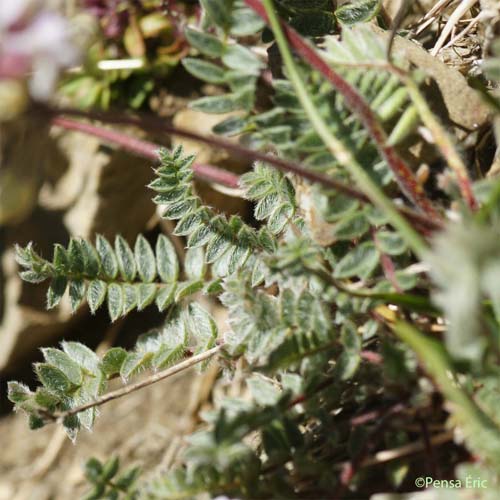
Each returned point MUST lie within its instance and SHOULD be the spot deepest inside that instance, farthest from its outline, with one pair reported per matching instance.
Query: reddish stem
(148, 150)
(156, 124)
(402, 172)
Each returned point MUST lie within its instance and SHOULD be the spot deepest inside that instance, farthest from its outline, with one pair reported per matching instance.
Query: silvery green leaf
(242, 59)
(96, 293)
(56, 291)
(279, 217)
(347, 364)
(53, 378)
(189, 223)
(82, 355)
(134, 363)
(207, 44)
(113, 360)
(459, 255)
(115, 301)
(219, 12)
(352, 226)
(125, 257)
(46, 399)
(245, 22)
(91, 259)
(238, 257)
(188, 288)
(60, 258)
(76, 293)
(63, 362)
(194, 263)
(361, 261)
(201, 325)
(200, 236)
(217, 246)
(17, 393)
(145, 259)
(146, 294)
(129, 298)
(391, 243)
(76, 256)
(166, 260)
(167, 356)
(358, 11)
(234, 125)
(215, 104)
(107, 256)
(263, 391)
(165, 296)
(204, 70)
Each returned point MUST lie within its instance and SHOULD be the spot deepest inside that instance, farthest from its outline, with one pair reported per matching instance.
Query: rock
(81, 188)
(452, 98)
(23, 166)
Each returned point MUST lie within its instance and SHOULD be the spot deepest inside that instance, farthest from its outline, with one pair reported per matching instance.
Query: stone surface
(81, 188)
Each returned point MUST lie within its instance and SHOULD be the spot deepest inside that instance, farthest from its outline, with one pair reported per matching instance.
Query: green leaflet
(358, 11)
(145, 258)
(96, 294)
(219, 12)
(125, 257)
(122, 278)
(205, 43)
(107, 256)
(204, 70)
(361, 261)
(168, 265)
(115, 301)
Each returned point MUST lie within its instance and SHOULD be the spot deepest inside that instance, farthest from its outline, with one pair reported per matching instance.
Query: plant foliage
(344, 338)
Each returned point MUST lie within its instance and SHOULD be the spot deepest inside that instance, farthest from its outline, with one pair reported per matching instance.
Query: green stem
(437, 363)
(341, 153)
(444, 141)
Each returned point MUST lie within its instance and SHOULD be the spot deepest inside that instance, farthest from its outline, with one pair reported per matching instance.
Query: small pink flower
(35, 41)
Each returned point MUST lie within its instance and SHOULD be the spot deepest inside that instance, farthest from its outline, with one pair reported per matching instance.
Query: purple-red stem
(156, 124)
(148, 150)
(402, 172)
